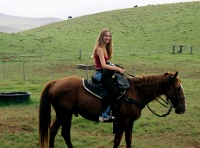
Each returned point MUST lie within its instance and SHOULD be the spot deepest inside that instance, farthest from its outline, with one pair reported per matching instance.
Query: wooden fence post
(4, 74)
(191, 49)
(52, 71)
(181, 48)
(173, 49)
(87, 71)
(24, 77)
(133, 70)
(80, 53)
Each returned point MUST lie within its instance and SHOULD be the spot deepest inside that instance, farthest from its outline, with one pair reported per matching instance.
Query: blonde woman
(103, 51)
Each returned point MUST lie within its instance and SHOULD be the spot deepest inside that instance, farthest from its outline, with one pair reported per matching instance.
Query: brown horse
(68, 97)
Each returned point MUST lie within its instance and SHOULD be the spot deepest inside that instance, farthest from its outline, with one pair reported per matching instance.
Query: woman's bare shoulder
(99, 49)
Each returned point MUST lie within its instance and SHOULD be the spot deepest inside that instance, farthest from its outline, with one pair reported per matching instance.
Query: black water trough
(14, 97)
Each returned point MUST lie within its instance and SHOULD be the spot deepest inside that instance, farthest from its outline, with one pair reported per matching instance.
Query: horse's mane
(149, 86)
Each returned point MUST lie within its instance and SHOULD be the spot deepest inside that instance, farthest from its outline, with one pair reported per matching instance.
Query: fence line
(40, 69)
(21, 71)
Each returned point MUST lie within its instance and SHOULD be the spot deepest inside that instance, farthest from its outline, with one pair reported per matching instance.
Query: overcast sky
(64, 8)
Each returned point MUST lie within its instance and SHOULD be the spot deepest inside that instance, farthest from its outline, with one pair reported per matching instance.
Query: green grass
(143, 39)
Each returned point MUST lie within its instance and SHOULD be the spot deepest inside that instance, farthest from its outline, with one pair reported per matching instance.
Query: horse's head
(175, 93)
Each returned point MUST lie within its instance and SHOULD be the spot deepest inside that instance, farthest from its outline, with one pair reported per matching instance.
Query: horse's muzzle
(180, 110)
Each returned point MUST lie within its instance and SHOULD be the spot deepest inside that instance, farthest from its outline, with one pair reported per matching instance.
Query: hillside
(142, 36)
(142, 29)
(11, 24)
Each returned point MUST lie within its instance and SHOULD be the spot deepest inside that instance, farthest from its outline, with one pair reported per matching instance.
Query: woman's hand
(120, 70)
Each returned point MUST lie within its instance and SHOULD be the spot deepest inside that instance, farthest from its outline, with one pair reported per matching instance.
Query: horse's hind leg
(66, 126)
(53, 131)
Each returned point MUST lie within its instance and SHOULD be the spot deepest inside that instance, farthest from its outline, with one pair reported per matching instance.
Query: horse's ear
(172, 78)
(175, 75)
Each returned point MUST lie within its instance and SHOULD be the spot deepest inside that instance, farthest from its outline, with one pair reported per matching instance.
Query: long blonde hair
(108, 48)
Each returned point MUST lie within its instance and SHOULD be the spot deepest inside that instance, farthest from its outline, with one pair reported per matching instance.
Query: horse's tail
(45, 116)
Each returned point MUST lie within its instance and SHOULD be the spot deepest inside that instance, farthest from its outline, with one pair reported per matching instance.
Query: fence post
(173, 49)
(4, 75)
(24, 73)
(181, 48)
(52, 71)
(191, 49)
(80, 53)
(133, 70)
(87, 71)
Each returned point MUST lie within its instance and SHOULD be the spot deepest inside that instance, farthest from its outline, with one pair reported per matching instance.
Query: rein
(134, 102)
(128, 74)
(167, 102)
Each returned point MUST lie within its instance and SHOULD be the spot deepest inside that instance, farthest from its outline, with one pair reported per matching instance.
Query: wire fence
(42, 70)
(37, 72)
(22, 71)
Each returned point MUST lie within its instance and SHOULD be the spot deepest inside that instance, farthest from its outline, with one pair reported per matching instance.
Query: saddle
(97, 90)
(94, 88)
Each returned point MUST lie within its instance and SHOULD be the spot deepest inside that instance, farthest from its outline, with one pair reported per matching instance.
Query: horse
(69, 97)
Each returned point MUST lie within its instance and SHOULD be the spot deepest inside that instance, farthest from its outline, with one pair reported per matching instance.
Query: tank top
(98, 63)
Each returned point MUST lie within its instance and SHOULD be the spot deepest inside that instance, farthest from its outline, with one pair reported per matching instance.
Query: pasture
(143, 39)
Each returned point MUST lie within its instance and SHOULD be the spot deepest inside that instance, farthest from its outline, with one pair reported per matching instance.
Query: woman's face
(107, 37)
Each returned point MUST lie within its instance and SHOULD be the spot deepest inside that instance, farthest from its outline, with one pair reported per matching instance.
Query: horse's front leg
(120, 127)
(117, 140)
(128, 133)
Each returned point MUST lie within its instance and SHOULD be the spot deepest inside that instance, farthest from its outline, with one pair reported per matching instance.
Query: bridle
(179, 100)
(168, 103)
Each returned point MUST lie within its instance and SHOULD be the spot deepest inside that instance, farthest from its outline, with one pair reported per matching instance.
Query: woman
(103, 51)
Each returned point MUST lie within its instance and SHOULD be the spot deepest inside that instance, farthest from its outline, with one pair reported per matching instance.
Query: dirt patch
(8, 58)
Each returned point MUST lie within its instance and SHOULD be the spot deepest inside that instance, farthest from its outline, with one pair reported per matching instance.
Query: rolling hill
(12, 24)
(135, 30)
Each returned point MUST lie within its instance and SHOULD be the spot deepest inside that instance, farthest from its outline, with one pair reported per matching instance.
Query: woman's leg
(109, 85)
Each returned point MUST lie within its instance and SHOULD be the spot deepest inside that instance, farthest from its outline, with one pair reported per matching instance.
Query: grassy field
(143, 39)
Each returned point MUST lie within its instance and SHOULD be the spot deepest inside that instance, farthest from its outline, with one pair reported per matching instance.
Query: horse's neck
(149, 87)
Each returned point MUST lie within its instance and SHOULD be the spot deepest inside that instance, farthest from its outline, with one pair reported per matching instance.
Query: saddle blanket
(93, 88)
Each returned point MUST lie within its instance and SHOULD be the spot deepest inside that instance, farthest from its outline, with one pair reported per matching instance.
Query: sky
(75, 8)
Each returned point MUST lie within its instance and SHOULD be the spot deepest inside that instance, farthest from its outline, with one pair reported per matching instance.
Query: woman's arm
(100, 53)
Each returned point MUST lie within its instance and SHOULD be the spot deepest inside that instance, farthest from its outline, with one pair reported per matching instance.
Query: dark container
(14, 97)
